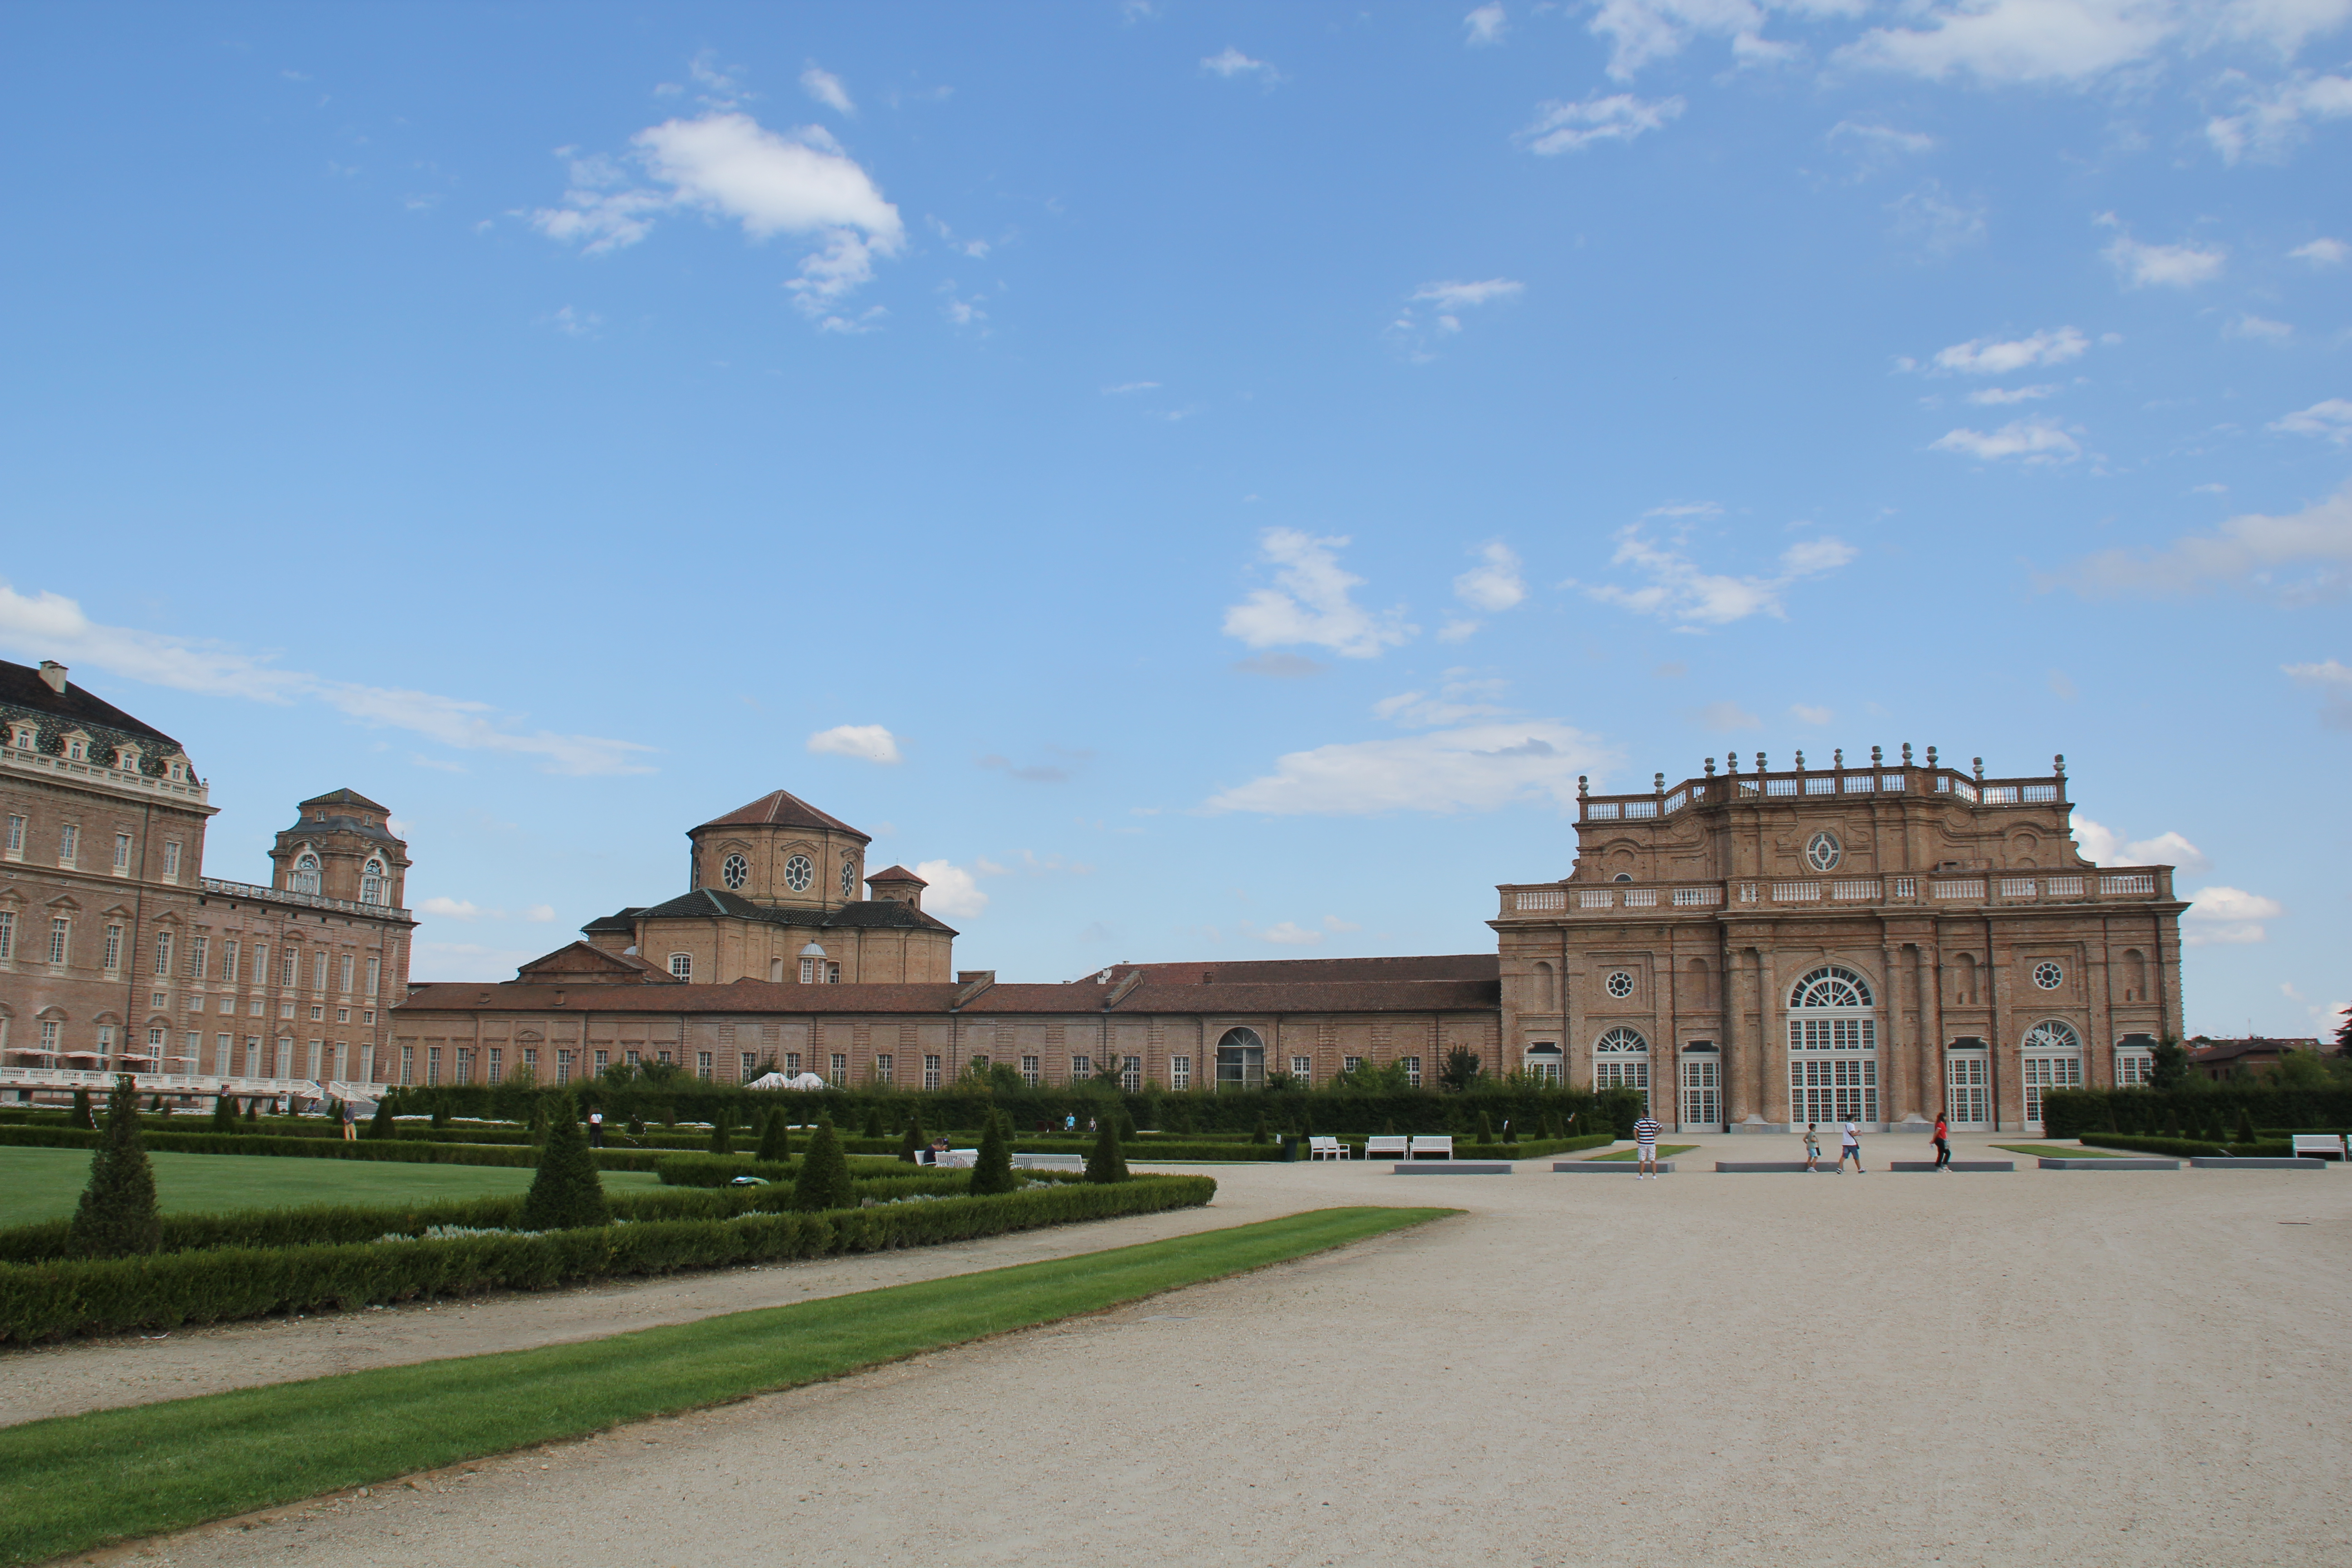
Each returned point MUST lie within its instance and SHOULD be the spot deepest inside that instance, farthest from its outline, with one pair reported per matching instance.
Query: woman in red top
(1943, 1144)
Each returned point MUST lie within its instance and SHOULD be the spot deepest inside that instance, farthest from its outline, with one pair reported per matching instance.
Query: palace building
(1751, 951)
(119, 954)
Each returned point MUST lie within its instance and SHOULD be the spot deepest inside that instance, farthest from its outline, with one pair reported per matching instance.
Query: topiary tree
(824, 1182)
(874, 1127)
(775, 1135)
(253, 1110)
(539, 1120)
(2245, 1125)
(224, 1114)
(1126, 1122)
(155, 1104)
(911, 1141)
(2167, 1066)
(2172, 1122)
(1485, 1127)
(567, 1194)
(722, 1131)
(79, 1115)
(440, 1113)
(1510, 1132)
(669, 1111)
(992, 1168)
(1106, 1164)
(1258, 1133)
(380, 1124)
(637, 1125)
(116, 1216)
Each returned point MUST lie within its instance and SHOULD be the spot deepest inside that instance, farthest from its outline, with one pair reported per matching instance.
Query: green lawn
(46, 1184)
(1665, 1152)
(2057, 1150)
(69, 1483)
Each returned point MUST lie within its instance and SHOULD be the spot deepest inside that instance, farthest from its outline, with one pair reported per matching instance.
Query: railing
(1539, 899)
(2128, 882)
(1973, 888)
(1833, 781)
(307, 901)
(180, 1083)
(121, 778)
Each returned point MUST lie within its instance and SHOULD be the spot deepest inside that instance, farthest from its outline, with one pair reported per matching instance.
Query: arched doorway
(1621, 1060)
(2053, 1058)
(1833, 1047)
(1241, 1060)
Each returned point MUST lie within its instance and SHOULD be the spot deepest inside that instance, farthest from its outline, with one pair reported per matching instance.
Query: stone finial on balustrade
(2058, 765)
(1906, 753)
(1579, 786)
(1760, 761)
(1877, 757)
(1800, 762)
(1931, 756)
(1731, 761)
(1710, 766)
(1980, 765)
(1658, 784)
(1837, 758)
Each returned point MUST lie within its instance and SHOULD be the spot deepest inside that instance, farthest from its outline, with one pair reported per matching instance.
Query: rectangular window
(681, 965)
(16, 836)
(1081, 1068)
(289, 970)
(260, 965)
(317, 1063)
(1351, 1064)
(1131, 1074)
(564, 1067)
(931, 1072)
(808, 970)
(61, 938)
(530, 1063)
(228, 961)
(465, 1065)
(1303, 1068)
(7, 933)
(343, 1014)
(748, 1069)
(840, 1068)
(106, 1039)
(375, 969)
(68, 844)
(198, 955)
(1029, 1071)
(122, 852)
(318, 1012)
(155, 1046)
(884, 1066)
(1180, 1072)
(163, 952)
(195, 1046)
(1834, 1088)
(408, 1064)
(2049, 1072)
(344, 973)
(171, 860)
(702, 1065)
(113, 949)
(498, 1062)
(792, 1063)
(1412, 1071)
(2133, 1068)
(225, 1055)
(833, 974)
(48, 1036)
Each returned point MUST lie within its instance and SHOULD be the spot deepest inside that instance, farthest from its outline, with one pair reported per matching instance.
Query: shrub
(1125, 1123)
(80, 1116)
(2172, 1122)
(1485, 1127)
(911, 1141)
(2245, 1126)
(1258, 1133)
(567, 1194)
(253, 1110)
(1105, 1165)
(224, 1114)
(116, 1216)
(775, 1134)
(874, 1128)
(824, 1182)
(722, 1131)
(380, 1125)
(637, 1125)
(440, 1115)
(992, 1168)
(539, 1121)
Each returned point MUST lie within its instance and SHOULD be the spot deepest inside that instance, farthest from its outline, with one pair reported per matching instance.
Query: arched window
(1831, 985)
(304, 878)
(2053, 1054)
(1621, 1060)
(1833, 1047)
(372, 883)
(1241, 1060)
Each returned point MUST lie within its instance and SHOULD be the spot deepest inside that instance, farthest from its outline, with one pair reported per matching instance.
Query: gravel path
(2097, 1368)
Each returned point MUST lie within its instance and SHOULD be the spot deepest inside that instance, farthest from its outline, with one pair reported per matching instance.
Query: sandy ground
(2098, 1368)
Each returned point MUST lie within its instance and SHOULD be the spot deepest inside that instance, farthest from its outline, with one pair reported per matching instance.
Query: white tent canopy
(778, 1080)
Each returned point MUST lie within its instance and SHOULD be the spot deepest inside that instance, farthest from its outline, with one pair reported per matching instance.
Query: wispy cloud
(2105, 846)
(2144, 265)
(953, 892)
(1477, 767)
(1806, 713)
(1485, 25)
(1678, 591)
(1233, 66)
(2271, 119)
(867, 742)
(2006, 356)
(2031, 441)
(2303, 557)
(1435, 310)
(1724, 717)
(1459, 698)
(1572, 127)
(826, 88)
(1126, 387)
(2227, 916)
(2000, 396)
(2331, 419)
(2323, 252)
(50, 626)
(1495, 585)
(2015, 41)
(1314, 603)
(2334, 680)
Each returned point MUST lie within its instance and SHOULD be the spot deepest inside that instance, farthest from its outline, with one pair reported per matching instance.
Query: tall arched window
(1241, 1060)
(372, 883)
(1621, 1060)
(1833, 1047)
(304, 878)
(2053, 1058)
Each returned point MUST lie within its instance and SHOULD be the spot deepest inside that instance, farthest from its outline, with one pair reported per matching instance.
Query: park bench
(1384, 1146)
(1433, 1146)
(2316, 1145)
(1326, 1149)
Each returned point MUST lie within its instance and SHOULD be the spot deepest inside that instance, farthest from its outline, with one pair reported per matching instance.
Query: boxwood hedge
(398, 1152)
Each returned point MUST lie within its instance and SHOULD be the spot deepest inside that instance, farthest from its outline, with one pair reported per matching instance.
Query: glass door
(1968, 1090)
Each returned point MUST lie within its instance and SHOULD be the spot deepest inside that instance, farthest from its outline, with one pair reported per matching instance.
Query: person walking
(1814, 1153)
(350, 1122)
(1850, 1148)
(595, 1130)
(1943, 1144)
(1646, 1147)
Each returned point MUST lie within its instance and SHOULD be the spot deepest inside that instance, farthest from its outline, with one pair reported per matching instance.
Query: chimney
(55, 674)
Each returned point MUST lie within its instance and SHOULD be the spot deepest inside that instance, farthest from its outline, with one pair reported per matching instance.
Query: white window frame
(1180, 1072)
(681, 966)
(1412, 1070)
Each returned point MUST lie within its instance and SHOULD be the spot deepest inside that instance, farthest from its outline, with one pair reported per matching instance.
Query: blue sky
(1194, 480)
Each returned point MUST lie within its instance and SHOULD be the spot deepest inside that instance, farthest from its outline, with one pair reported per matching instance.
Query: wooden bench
(1326, 1149)
(1387, 1147)
(2316, 1146)
(1433, 1146)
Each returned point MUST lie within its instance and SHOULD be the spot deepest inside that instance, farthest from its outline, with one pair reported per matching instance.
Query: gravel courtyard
(2089, 1368)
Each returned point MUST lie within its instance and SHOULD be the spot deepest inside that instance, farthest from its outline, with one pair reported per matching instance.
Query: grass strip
(74, 1482)
(1665, 1152)
(2055, 1151)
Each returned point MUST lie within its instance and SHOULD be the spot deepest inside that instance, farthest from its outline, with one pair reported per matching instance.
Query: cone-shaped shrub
(911, 1141)
(1486, 1128)
(380, 1124)
(874, 1128)
(566, 1195)
(669, 1114)
(539, 1121)
(992, 1168)
(824, 1181)
(81, 1116)
(775, 1141)
(224, 1114)
(637, 1125)
(116, 1216)
(2172, 1122)
(253, 1110)
(155, 1103)
(1106, 1164)
(1258, 1133)
(722, 1131)
(440, 1113)
(2245, 1126)
(1510, 1132)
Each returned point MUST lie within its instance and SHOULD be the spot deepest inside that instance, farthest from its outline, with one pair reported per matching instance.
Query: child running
(1646, 1147)
(1813, 1154)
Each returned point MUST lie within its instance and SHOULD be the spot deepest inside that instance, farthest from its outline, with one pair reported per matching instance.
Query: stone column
(1894, 1083)
(1773, 1050)
(1742, 1090)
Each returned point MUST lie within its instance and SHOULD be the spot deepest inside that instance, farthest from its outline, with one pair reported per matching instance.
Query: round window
(1619, 984)
(798, 872)
(1622, 877)
(1823, 851)
(849, 878)
(2048, 975)
(735, 870)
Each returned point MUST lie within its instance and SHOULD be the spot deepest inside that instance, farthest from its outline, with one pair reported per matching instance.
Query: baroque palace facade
(119, 954)
(1752, 950)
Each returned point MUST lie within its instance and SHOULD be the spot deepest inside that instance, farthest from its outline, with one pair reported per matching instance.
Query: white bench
(2316, 1145)
(1383, 1146)
(1326, 1149)
(1439, 1144)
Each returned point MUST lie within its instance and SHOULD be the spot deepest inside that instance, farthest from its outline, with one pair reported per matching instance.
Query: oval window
(735, 870)
(798, 872)
(1823, 851)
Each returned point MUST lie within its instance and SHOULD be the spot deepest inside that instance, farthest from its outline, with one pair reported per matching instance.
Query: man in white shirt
(1646, 1147)
(1850, 1148)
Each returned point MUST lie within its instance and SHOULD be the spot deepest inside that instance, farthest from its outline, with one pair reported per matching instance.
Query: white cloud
(1456, 700)
(867, 742)
(826, 88)
(1477, 767)
(2331, 419)
(1999, 356)
(1810, 715)
(2104, 846)
(449, 909)
(729, 165)
(1313, 604)
(2162, 265)
(2261, 329)
(1880, 142)
(1486, 24)
(1679, 590)
(1334, 923)
(2296, 559)
(954, 892)
(1288, 933)
(2061, 685)
(1722, 718)
(1125, 388)
(2028, 440)
(2219, 916)
(49, 625)
(1446, 302)
(1451, 296)
(1997, 397)
(1936, 221)
(2335, 681)
(2001, 41)
(1494, 583)
(540, 914)
(1230, 64)
(2271, 119)
(1640, 31)
(1572, 127)
(2323, 252)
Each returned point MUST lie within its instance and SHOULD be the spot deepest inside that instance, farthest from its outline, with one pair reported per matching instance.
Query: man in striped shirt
(1646, 1147)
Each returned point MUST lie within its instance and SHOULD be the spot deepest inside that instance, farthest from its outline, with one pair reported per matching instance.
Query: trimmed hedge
(2073, 1112)
(718, 1169)
(2188, 1148)
(67, 1297)
(398, 1151)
